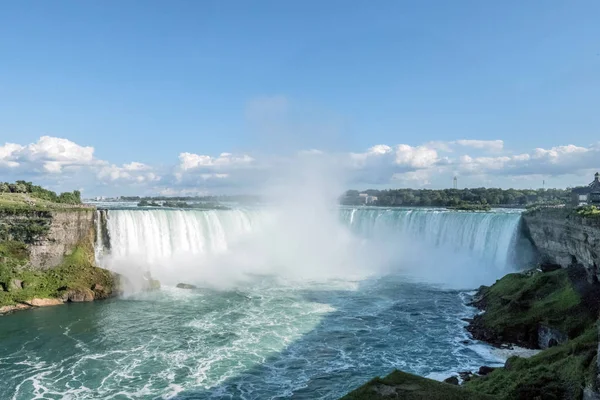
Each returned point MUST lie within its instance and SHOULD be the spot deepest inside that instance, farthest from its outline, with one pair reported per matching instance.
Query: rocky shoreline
(551, 311)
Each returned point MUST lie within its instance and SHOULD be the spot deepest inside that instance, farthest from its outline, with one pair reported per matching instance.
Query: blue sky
(145, 82)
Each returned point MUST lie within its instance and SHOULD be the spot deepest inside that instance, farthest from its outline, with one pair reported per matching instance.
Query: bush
(588, 211)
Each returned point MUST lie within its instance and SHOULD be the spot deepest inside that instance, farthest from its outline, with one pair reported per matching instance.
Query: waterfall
(102, 236)
(455, 245)
(161, 234)
(488, 236)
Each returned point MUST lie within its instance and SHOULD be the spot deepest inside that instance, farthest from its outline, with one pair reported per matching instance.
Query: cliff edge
(563, 237)
(47, 258)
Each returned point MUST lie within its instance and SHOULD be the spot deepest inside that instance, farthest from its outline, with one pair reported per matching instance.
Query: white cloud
(49, 154)
(189, 161)
(134, 172)
(64, 163)
(489, 145)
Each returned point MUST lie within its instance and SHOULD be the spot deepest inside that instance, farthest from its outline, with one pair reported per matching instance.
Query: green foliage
(471, 207)
(401, 385)
(23, 225)
(41, 193)
(456, 197)
(588, 211)
(560, 372)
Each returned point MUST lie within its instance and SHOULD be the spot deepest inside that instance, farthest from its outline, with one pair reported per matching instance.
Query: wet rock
(484, 370)
(78, 295)
(549, 267)
(550, 337)
(453, 380)
(15, 284)
(465, 375)
(186, 286)
(16, 307)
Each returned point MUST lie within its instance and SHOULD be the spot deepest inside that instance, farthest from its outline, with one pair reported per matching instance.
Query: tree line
(457, 197)
(39, 192)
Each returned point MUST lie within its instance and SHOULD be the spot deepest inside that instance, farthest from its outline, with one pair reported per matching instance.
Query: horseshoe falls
(303, 305)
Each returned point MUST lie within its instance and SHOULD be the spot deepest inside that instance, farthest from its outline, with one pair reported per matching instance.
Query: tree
(4, 188)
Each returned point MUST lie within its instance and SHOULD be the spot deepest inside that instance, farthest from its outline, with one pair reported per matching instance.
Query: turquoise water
(268, 336)
(263, 341)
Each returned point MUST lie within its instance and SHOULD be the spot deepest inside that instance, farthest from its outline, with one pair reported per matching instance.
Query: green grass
(25, 201)
(516, 304)
(401, 385)
(560, 372)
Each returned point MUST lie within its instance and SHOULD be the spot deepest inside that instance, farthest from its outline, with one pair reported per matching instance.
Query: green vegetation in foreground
(517, 304)
(401, 385)
(515, 307)
(77, 272)
(561, 372)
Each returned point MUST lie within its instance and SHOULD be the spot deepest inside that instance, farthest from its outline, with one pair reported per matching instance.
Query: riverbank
(551, 310)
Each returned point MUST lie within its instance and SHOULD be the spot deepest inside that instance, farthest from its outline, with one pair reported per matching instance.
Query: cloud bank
(60, 164)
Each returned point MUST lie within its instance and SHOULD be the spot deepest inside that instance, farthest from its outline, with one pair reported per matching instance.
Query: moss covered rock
(401, 385)
(562, 372)
(521, 308)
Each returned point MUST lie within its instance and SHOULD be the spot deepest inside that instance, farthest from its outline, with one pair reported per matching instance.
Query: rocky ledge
(536, 309)
(563, 237)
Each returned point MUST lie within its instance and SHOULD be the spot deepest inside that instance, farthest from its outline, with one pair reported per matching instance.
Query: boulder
(465, 375)
(15, 284)
(484, 370)
(78, 295)
(44, 302)
(186, 286)
(453, 380)
(98, 287)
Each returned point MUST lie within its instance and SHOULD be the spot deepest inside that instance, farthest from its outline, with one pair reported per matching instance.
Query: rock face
(78, 295)
(563, 238)
(15, 284)
(550, 337)
(49, 235)
(67, 228)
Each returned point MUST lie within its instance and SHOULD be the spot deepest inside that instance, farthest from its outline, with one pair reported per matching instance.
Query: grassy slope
(516, 304)
(10, 201)
(560, 372)
(400, 385)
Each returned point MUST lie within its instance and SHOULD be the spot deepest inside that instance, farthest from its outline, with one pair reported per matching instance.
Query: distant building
(589, 194)
(371, 199)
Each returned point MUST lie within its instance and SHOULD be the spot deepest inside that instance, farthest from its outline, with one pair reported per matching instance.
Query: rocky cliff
(48, 235)
(564, 238)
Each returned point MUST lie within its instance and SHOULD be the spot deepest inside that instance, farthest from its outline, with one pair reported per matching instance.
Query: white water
(440, 246)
